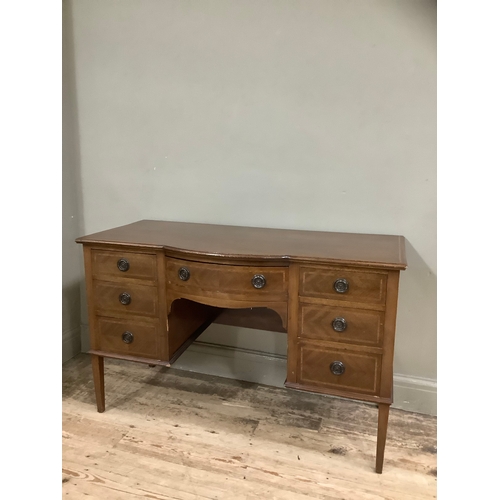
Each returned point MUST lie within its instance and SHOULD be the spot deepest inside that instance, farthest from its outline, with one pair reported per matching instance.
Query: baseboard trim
(233, 362)
(410, 393)
(85, 337)
(71, 343)
(415, 394)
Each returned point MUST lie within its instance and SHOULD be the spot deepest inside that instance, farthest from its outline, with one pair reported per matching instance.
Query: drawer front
(125, 298)
(251, 281)
(341, 324)
(134, 338)
(361, 371)
(343, 284)
(115, 265)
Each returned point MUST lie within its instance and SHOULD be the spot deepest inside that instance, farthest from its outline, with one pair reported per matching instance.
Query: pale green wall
(303, 114)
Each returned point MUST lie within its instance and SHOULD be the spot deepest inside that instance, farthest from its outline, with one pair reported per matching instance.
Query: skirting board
(71, 343)
(410, 394)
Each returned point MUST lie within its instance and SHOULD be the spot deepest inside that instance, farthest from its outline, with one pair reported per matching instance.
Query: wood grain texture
(383, 420)
(144, 299)
(126, 357)
(260, 318)
(162, 301)
(168, 434)
(98, 375)
(362, 369)
(293, 325)
(186, 318)
(362, 326)
(333, 391)
(195, 240)
(89, 288)
(226, 300)
(389, 334)
(299, 269)
(144, 336)
(141, 266)
(369, 287)
(225, 279)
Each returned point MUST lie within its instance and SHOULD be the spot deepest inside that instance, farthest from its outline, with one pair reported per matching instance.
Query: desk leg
(98, 371)
(383, 419)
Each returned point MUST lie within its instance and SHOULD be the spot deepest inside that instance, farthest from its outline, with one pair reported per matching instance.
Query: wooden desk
(154, 286)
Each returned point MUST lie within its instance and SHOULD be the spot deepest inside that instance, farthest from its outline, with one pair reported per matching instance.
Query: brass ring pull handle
(125, 298)
(184, 273)
(339, 324)
(123, 265)
(341, 285)
(128, 337)
(337, 368)
(259, 281)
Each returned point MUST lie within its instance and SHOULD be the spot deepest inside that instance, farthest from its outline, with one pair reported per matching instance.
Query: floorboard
(171, 434)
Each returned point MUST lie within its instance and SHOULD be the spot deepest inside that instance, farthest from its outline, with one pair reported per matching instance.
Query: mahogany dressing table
(153, 287)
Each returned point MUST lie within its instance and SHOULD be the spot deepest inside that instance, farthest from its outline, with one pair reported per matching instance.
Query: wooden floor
(169, 434)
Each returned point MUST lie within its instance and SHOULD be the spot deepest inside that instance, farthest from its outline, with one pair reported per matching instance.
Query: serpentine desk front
(154, 286)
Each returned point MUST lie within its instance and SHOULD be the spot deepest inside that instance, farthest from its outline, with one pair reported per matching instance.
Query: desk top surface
(240, 242)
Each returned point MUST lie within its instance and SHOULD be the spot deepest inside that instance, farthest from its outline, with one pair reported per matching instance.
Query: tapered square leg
(98, 372)
(383, 420)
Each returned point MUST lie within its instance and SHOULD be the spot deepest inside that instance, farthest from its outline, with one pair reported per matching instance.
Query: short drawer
(341, 324)
(115, 265)
(337, 369)
(343, 284)
(134, 338)
(125, 298)
(247, 281)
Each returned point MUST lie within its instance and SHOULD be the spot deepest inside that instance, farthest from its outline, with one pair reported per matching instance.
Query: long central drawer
(252, 282)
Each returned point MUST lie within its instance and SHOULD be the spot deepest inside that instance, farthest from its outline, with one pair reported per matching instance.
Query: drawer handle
(125, 298)
(259, 281)
(128, 337)
(123, 265)
(339, 324)
(341, 285)
(184, 273)
(337, 368)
